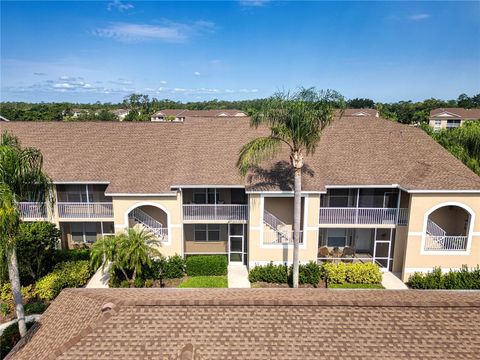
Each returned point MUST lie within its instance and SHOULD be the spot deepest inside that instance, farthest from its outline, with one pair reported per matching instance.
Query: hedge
(67, 274)
(10, 337)
(349, 273)
(71, 255)
(462, 279)
(206, 265)
(172, 267)
(6, 296)
(281, 274)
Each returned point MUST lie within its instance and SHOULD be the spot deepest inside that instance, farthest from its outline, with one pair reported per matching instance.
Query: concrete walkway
(238, 276)
(28, 318)
(391, 282)
(100, 279)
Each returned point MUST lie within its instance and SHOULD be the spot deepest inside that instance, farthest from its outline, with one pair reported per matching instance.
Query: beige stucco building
(365, 196)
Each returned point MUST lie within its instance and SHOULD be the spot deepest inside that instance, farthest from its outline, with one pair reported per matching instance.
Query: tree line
(142, 107)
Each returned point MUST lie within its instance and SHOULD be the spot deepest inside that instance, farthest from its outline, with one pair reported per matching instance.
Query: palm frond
(256, 151)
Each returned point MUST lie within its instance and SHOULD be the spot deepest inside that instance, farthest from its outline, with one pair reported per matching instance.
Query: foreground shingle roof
(256, 324)
(150, 158)
(468, 114)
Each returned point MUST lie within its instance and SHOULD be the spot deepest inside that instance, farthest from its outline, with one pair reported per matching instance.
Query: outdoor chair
(348, 254)
(323, 252)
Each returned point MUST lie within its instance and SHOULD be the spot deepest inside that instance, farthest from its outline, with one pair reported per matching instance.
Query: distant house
(359, 112)
(77, 112)
(2, 118)
(449, 118)
(120, 113)
(178, 115)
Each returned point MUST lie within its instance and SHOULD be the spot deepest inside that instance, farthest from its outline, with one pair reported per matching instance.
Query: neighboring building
(449, 118)
(364, 193)
(178, 115)
(255, 324)
(77, 112)
(120, 113)
(359, 113)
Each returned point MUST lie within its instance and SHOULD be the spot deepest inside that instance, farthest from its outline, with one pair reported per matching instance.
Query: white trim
(415, 233)
(425, 269)
(262, 225)
(205, 253)
(285, 193)
(477, 233)
(360, 186)
(120, 226)
(81, 182)
(305, 218)
(444, 191)
(140, 194)
(208, 186)
(154, 204)
(469, 230)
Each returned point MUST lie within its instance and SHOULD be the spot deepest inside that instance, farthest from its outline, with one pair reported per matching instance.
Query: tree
(21, 178)
(296, 122)
(128, 253)
(359, 103)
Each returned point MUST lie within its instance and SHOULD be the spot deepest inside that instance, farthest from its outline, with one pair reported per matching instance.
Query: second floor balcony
(215, 212)
(83, 210)
(363, 216)
(32, 211)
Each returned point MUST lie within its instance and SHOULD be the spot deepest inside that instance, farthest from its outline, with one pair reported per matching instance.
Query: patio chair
(348, 254)
(323, 252)
(336, 253)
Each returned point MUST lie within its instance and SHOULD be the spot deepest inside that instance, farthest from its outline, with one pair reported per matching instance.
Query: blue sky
(101, 51)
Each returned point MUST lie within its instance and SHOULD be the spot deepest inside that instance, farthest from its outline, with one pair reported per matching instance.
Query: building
(449, 118)
(121, 114)
(177, 115)
(360, 113)
(366, 195)
(204, 324)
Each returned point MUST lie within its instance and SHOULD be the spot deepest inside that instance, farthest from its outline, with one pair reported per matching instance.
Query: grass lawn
(355, 286)
(205, 282)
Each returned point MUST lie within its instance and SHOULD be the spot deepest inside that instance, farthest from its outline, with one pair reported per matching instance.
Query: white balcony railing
(75, 210)
(445, 243)
(363, 216)
(215, 212)
(32, 210)
(272, 237)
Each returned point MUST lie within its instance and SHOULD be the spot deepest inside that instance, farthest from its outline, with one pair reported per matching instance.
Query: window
(83, 232)
(336, 237)
(204, 196)
(453, 123)
(207, 232)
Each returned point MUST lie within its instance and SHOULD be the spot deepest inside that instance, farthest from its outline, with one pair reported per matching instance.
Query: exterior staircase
(278, 226)
(434, 230)
(151, 224)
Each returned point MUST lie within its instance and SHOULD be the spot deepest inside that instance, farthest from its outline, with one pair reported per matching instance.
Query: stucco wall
(260, 253)
(421, 204)
(171, 205)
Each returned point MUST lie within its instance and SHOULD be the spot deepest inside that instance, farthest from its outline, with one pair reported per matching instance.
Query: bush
(462, 279)
(37, 307)
(206, 265)
(67, 274)
(166, 268)
(6, 296)
(4, 309)
(308, 274)
(276, 274)
(9, 338)
(71, 255)
(359, 273)
(35, 244)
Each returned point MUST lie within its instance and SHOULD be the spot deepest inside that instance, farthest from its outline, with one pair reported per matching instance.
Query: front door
(235, 243)
(382, 248)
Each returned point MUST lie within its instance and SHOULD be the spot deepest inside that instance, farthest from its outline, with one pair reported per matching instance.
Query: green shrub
(9, 338)
(4, 309)
(308, 274)
(206, 265)
(71, 255)
(6, 296)
(462, 279)
(351, 273)
(37, 307)
(67, 274)
(138, 282)
(166, 268)
(276, 274)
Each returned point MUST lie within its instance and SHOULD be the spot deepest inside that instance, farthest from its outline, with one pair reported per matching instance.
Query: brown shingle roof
(464, 114)
(198, 113)
(257, 324)
(150, 158)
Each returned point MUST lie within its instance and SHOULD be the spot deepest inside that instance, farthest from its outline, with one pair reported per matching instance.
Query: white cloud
(167, 31)
(417, 17)
(196, 73)
(40, 74)
(120, 6)
(163, 82)
(253, 2)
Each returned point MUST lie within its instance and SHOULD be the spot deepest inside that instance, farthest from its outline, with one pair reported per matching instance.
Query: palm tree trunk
(16, 290)
(297, 209)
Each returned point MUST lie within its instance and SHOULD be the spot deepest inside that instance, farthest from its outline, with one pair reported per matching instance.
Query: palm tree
(21, 178)
(296, 122)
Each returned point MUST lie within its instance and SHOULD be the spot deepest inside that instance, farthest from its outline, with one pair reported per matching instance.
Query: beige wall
(420, 205)
(172, 205)
(205, 246)
(452, 219)
(401, 235)
(260, 254)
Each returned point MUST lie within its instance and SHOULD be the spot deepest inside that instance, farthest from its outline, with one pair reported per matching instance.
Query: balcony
(215, 212)
(363, 216)
(32, 211)
(81, 210)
